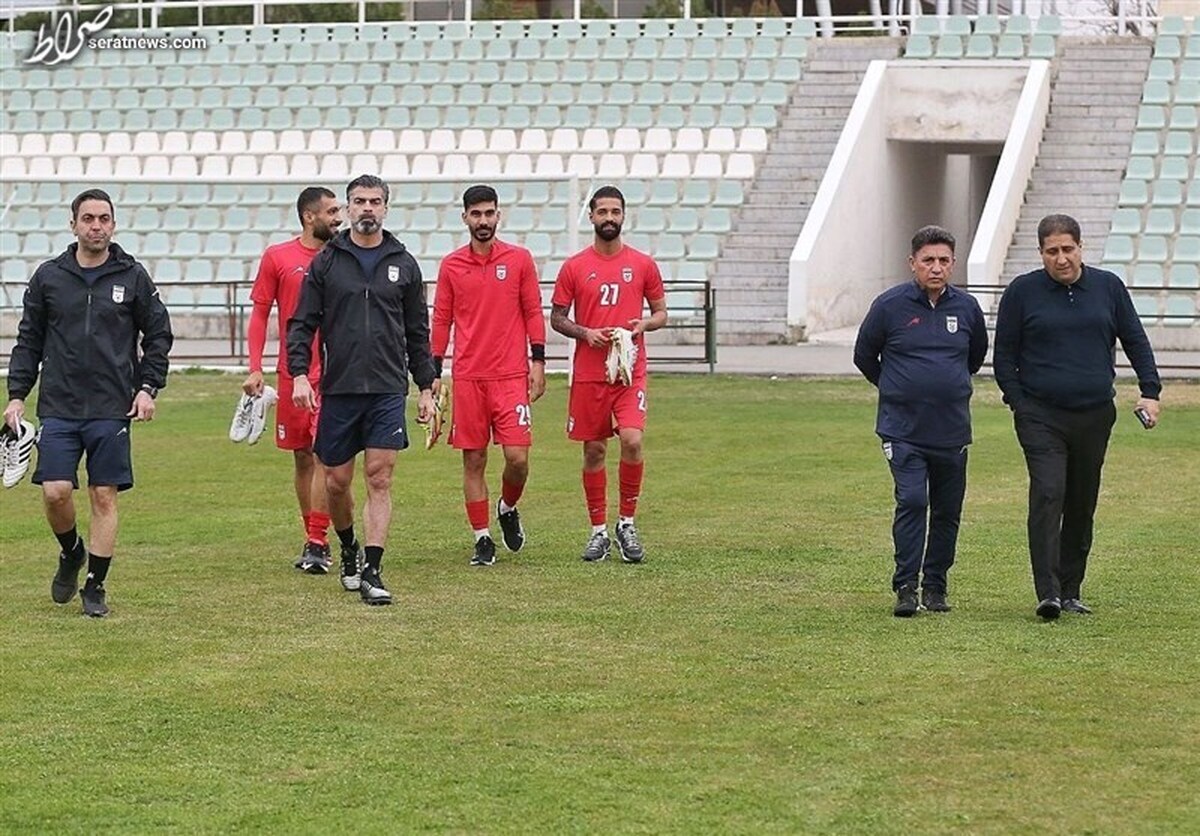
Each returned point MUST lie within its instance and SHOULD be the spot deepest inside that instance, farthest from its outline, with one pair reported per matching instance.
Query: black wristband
(538, 353)
(150, 390)
(437, 366)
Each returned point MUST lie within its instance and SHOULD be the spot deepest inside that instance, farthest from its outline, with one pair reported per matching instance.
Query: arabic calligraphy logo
(66, 38)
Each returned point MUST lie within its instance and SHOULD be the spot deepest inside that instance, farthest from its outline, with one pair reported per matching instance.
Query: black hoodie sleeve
(154, 323)
(31, 341)
(416, 330)
(307, 318)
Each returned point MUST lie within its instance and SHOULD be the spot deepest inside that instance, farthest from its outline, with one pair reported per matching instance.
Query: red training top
(608, 292)
(495, 306)
(280, 277)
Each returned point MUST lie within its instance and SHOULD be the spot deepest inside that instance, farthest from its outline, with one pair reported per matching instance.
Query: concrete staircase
(1085, 148)
(751, 276)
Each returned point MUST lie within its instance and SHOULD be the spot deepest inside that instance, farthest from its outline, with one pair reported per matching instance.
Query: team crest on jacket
(118, 293)
(627, 274)
(952, 324)
(501, 272)
(393, 272)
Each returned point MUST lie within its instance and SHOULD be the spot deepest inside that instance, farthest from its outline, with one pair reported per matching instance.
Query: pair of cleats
(250, 416)
(66, 581)
(360, 578)
(629, 544)
(622, 354)
(907, 604)
(1051, 608)
(512, 534)
(16, 448)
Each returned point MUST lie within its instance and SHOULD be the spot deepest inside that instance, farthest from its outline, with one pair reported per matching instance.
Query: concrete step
(752, 272)
(736, 250)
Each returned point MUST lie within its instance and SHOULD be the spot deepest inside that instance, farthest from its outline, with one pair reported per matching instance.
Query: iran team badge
(393, 273)
(627, 274)
(501, 272)
(952, 324)
(118, 293)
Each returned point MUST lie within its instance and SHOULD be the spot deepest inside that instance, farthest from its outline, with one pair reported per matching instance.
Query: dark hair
(91, 194)
(310, 199)
(1057, 225)
(479, 194)
(606, 191)
(369, 181)
(927, 235)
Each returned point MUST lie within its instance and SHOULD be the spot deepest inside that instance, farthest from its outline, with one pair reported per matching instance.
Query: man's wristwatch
(152, 391)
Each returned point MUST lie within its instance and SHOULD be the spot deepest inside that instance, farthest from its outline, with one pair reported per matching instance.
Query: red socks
(630, 486)
(595, 491)
(316, 523)
(477, 514)
(510, 493)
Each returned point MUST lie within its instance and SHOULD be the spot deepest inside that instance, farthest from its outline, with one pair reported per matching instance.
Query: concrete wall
(921, 146)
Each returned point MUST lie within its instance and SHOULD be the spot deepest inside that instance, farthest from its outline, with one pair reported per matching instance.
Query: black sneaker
(1049, 608)
(485, 552)
(92, 596)
(934, 601)
(315, 559)
(510, 528)
(372, 590)
(352, 561)
(66, 577)
(629, 544)
(597, 547)
(1076, 606)
(906, 601)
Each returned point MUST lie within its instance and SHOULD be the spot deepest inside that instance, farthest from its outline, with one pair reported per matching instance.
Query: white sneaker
(15, 451)
(622, 354)
(240, 428)
(258, 413)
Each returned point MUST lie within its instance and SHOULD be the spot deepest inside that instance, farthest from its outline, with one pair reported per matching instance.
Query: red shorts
(597, 410)
(295, 428)
(487, 410)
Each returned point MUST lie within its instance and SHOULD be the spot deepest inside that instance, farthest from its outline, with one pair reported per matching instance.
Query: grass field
(748, 678)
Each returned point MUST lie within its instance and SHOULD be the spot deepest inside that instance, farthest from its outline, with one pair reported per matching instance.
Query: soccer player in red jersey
(607, 284)
(280, 276)
(488, 293)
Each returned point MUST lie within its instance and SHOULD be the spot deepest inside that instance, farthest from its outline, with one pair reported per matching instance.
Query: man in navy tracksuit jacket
(919, 344)
(1056, 329)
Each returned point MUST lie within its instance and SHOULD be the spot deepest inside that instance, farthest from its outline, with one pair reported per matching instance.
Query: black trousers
(930, 485)
(1064, 451)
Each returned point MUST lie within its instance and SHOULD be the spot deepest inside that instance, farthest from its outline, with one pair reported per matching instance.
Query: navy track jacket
(922, 357)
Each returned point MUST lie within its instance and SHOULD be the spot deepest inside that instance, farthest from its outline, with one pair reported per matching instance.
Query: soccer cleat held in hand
(250, 416)
(622, 354)
(433, 429)
(15, 451)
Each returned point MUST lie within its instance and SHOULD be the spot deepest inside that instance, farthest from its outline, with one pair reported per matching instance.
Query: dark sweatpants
(933, 481)
(1064, 451)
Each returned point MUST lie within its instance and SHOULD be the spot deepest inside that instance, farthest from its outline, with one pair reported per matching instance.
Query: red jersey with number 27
(607, 292)
(280, 277)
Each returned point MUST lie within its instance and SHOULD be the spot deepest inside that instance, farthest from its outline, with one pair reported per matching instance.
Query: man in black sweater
(1056, 330)
(83, 313)
(920, 343)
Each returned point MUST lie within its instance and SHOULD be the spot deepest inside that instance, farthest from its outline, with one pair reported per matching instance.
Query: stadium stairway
(1079, 169)
(751, 277)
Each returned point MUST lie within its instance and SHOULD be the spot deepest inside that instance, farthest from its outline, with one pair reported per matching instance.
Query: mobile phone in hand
(1142, 415)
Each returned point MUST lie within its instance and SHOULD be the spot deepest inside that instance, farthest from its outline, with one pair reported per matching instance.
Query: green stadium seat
(1174, 168)
(1126, 221)
(1048, 25)
(1042, 46)
(1187, 249)
(1187, 91)
(1189, 222)
(1118, 249)
(1167, 193)
(1148, 275)
(1018, 25)
(1167, 46)
(1151, 117)
(1152, 248)
(1181, 308)
(1145, 144)
(1189, 70)
(1172, 26)
(1183, 118)
(1193, 46)
(987, 25)
(1184, 275)
(1156, 93)
(980, 46)
(1140, 168)
(1160, 222)
(949, 46)
(918, 46)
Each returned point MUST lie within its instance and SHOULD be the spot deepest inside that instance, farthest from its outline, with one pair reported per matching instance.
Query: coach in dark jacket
(83, 314)
(920, 343)
(364, 293)
(1056, 330)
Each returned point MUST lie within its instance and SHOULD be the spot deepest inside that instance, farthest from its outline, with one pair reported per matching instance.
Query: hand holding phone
(1143, 416)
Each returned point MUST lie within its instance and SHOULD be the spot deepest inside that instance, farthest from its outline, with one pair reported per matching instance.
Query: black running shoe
(352, 562)
(485, 552)
(934, 600)
(315, 559)
(629, 544)
(372, 590)
(1076, 606)
(906, 601)
(92, 596)
(66, 577)
(510, 528)
(1049, 608)
(597, 547)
